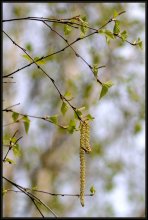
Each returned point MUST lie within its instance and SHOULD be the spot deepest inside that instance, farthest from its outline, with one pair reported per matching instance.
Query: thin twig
(10, 144)
(37, 207)
(10, 106)
(52, 194)
(9, 82)
(45, 118)
(59, 51)
(77, 55)
(51, 79)
(30, 195)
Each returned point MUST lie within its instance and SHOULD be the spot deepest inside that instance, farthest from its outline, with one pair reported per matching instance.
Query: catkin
(82, 175)
(84, 147)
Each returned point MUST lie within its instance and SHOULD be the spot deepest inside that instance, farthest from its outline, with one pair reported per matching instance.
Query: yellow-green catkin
(84, 147)
(82, 175)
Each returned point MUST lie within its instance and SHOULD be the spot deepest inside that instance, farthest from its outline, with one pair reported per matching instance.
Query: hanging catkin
(84, 147)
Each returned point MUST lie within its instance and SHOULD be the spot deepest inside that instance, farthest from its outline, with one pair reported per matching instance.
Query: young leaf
(77, 113)
(137, 128)
(53, 119)
(102, 31)
(27, 57)
(28, 46)
(116, 29)
(105, 87)
(67, 29)
(84, 26)
(15, 116)
(108, 84)
(4, 191)
(84, 18)
(72, 126)
(40, 62)
(16, 150)
(92, 189)
(107, 40)
(124, 35)
(139, 43)
(84, 29)
(95, 70)
(89, 116)
(26, 123)
(68, 96)
(13, 140)
(64, 107)
(34, 187)
(109, 34)
(10, 161)
(115, 14)
(82, 108)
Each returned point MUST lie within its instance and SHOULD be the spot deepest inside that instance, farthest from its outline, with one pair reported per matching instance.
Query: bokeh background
(50, 157)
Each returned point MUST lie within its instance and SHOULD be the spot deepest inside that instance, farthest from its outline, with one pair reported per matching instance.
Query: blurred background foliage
(50, 156)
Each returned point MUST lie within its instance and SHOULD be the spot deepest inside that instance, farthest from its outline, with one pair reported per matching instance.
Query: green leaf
(107, 40)
(124, 35)
(68, 96)
(105, 87)
(40, 62)
(6, 139)
(16, 150)
(139, 43)
(133, 94)
(82, 108)
(67, 29)
(95, 70)
(78, 113)
(34, 187)
(35, 59)
(84, 26)
(108, 84)
(71, 126)
(64, 126)
(116, 29)
(92, 189)
(109, 34)
(84, 29)
(101, 31)
(27, 57)
(15, 116)
(10, 161)
(4, 191)
(90, 117)
(137, 128)
(104, 90)
(28, 47)
(84, 18)
(13, 139)
(64, 107)
(115, 14)
(53, 119)
(26, 123)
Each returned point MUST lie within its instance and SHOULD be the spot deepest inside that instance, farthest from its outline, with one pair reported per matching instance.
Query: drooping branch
(62, 21)
(49, 193)
(11, 145)
(51, 79)
(45, 118)
(31, 196)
